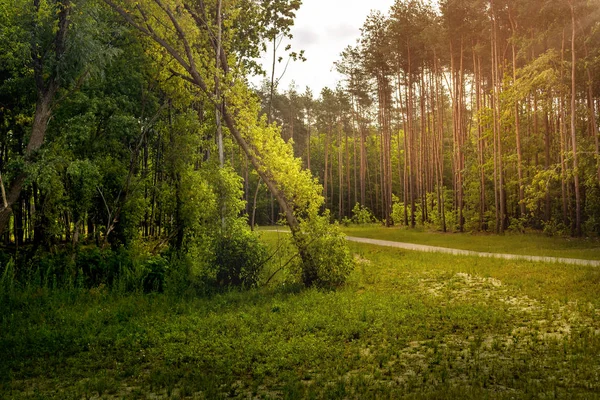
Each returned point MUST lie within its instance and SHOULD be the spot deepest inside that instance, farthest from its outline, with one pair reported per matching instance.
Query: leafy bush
(555, 228)
(239, 258)
(218, 249)
(517, 225)
(397, 211)
(47, 269)
(102, 266)
(362, 215)
(327, 262)
(155, 271)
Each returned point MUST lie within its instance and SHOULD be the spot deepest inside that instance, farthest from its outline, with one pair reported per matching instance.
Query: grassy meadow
(533, 244)
(407, 325)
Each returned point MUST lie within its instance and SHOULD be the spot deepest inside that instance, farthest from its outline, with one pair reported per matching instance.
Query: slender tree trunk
(348, 181)
(354, 139)
(440, 150)
(340, 174)
(498, 170)
(480, 142)
(563, 142)
(217, 90)
(461, 140)
(518, 125)
(547, 205)
(218, 106)
(253, 219)
(573, 128)
(593, 131)
(423, 153)
(308, 140)
(363, 162)
(325, 175)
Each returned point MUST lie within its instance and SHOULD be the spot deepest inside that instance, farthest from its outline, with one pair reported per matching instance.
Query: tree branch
(182, 36)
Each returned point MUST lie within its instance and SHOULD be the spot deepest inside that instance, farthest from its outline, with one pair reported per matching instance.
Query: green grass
(534, 244)
(407, 325)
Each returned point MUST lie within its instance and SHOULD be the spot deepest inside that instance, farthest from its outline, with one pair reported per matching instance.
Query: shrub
(397, 211)
(362, 215)
(48, 269)
(327, 262)
(155, 271)
(517, 225)
(239, 258)
(102, 266)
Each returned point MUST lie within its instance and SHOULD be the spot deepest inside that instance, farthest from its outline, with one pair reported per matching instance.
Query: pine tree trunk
(573, 131)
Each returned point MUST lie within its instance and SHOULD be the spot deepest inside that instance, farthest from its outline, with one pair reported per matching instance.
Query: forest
(461, 116)
(129, 133)
(169, 229)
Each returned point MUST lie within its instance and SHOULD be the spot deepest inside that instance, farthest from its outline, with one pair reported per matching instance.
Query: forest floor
(407, 325)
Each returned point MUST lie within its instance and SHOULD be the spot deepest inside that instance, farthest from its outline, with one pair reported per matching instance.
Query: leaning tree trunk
(46, 93)
(43, 112)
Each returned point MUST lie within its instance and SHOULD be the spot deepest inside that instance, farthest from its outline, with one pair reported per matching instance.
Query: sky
(323, 29)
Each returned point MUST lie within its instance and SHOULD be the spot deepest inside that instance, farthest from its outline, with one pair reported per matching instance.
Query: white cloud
(304, 38)
(323, 28)
(342, 31)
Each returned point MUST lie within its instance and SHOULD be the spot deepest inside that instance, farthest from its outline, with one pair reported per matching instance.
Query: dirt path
(457, 252)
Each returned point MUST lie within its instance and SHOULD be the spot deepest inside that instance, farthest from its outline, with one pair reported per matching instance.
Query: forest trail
(459, 252)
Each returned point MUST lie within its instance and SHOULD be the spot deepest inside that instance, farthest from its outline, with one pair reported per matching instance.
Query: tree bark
(573, 131)
(517, 123)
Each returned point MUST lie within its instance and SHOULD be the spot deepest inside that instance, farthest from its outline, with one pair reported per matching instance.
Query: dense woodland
(464, 115)
(131, 126)
(128, 134)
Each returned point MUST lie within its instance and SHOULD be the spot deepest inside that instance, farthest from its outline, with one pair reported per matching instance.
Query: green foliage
(327, 262)
(554, 228)
(120, 270)
(362, 215)
(127, 157)
(517, 225)
(155, 270)
(592, 208)
(83, 178)
(239, 259)
(397, 211)
(218, 249)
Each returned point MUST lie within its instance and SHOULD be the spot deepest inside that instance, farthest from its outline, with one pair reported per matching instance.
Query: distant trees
(476, 114)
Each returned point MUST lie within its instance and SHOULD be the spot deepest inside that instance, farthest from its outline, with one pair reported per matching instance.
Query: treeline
(463, 115)
(129, 139)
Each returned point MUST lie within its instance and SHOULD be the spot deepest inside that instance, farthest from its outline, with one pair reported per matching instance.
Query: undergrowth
(406, 325)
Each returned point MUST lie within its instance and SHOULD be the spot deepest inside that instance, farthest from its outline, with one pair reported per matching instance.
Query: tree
(185, 40)
(64, 48)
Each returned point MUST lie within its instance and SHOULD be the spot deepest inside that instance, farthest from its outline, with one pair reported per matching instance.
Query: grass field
(534, 244)
(407, 325)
